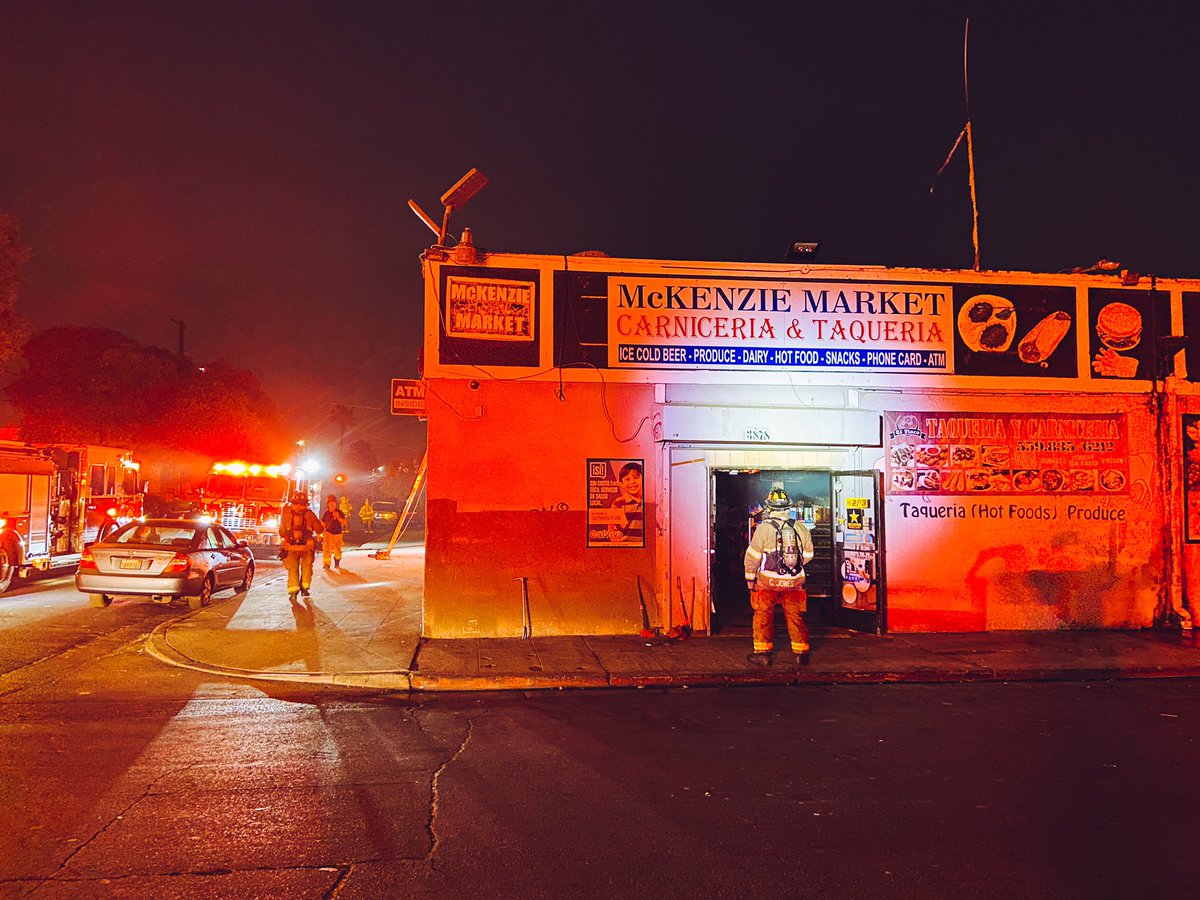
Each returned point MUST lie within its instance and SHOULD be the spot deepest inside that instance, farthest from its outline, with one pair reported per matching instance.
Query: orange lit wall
(1032, 562)
(507, 499)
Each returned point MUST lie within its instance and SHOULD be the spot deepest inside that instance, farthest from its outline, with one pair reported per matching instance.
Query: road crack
(120, 815)
(435, 796)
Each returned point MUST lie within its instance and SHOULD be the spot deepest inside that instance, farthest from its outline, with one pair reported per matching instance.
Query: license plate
(131, 564)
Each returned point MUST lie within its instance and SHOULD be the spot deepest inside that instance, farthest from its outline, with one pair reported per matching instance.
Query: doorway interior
(737, 504)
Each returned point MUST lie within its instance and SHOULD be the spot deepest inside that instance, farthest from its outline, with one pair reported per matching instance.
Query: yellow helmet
(778, 499)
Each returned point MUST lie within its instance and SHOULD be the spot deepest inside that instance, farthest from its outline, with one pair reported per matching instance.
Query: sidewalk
(361, 628)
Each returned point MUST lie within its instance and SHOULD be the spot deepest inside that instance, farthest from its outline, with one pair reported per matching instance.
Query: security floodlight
(468, 186)
(801, 251)
(455, 198)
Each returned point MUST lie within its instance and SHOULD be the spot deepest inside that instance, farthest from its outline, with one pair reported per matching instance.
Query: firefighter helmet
(299, 497)
(778, 499)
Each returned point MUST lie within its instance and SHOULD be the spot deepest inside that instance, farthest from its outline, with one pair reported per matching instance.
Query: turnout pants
(299, 565)
(331, 547)
(793, 601)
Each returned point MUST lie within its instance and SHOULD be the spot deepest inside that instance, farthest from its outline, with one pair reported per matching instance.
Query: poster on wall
(1191, 477)
(1014, 330)
(1122, 328)
(938, 453)
(615, 503)
(858, 576)
(1191, 326)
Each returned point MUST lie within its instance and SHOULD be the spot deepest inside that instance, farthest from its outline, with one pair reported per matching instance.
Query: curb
(160, 648)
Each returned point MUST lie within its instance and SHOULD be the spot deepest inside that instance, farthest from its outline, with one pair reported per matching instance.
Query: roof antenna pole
(970, 150)
(966, 132)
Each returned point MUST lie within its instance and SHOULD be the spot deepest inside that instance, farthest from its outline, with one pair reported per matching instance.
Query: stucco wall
(507, 498)
(1032, 562)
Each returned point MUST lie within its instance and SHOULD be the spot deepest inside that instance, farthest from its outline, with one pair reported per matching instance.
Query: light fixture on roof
(455, 198)
(803, 251)
(1102, 266)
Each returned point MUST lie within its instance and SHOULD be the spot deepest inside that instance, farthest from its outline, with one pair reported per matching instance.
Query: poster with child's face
(616, 503)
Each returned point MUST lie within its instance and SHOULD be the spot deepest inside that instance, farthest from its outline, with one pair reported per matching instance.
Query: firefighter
(298, 530)
(335, 523)
(367, 514)
(774, 564)
(347, 510)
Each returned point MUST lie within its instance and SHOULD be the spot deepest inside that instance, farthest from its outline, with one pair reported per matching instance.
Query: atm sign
(408, 397)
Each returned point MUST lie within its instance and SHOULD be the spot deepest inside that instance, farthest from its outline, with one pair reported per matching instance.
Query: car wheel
(6, 570)
(100, 601)
(203, 598)
(248, 579)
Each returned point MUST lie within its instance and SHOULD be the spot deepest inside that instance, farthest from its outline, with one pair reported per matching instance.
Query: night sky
(246, 166)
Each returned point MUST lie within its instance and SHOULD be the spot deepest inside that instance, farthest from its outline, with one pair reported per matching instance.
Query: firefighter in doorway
(774, 565)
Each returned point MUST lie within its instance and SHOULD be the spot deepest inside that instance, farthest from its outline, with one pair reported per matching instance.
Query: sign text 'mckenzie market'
(692, 322)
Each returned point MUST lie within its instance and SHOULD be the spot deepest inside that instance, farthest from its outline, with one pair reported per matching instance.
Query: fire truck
(56, 499)
(248, 498)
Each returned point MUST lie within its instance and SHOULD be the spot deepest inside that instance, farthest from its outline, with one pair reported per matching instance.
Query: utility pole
(182, 331)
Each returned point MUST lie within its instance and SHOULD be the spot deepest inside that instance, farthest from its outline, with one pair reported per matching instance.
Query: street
(125, 777)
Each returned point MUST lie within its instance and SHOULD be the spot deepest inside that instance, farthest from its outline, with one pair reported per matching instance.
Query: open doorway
(739, 496)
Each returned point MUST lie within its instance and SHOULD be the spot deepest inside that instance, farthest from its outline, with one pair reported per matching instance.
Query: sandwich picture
(1119, 326)
(997, 455)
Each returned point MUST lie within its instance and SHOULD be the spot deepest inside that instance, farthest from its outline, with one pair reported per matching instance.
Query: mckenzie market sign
(661, 322)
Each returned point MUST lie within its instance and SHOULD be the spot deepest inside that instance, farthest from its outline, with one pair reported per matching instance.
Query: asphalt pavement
(361, 628)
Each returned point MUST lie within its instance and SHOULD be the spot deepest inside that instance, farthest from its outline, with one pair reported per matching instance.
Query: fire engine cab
(248, 498)
(56, 499)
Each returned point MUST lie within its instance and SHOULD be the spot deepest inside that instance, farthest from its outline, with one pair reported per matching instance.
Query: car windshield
(386, 506)
(153, 533)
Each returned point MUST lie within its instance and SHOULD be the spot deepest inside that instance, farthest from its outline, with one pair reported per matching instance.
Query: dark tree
(14, 253)
(360, 457)
(95, 385)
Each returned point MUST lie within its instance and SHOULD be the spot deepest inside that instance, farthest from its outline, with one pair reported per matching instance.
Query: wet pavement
(361, 628)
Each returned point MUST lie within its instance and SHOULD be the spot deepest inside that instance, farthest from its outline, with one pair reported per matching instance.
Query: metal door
(687, 588)
(859, 585)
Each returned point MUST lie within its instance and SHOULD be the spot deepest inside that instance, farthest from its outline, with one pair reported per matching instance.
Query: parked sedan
(165, 559)
(387, 512)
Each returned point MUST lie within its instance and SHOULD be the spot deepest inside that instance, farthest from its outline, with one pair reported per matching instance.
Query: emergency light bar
(244, 469)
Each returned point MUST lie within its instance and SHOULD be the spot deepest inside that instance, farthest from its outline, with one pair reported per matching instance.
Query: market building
(970, 450)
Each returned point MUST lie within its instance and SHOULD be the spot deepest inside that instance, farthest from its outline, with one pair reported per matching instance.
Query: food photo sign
(1124, 324)
(1006, 453)
(1015, 330)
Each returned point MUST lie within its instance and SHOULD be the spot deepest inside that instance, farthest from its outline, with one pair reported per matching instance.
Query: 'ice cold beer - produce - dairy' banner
(717, 323)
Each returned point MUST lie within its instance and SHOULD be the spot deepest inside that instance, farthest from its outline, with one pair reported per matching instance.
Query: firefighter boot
(759, 658)
(292, 596)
